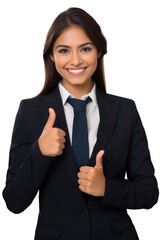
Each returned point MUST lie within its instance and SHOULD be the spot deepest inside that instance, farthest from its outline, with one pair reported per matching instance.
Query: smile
(76, 70)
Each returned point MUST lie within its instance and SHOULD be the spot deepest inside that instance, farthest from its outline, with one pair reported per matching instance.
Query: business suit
(65, 212)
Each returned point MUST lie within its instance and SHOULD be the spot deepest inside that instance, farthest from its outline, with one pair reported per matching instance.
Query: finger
(82, 188)
(85, 169)
(62, 133)
(51, 118)
(63, 146)
(63, 140)
(99, 159)
(82, 175)
(82, 182)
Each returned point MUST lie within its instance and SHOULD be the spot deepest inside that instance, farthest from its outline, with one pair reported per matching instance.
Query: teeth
(76, 70)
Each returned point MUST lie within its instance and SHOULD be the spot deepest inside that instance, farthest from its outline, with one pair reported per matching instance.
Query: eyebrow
(82, 45)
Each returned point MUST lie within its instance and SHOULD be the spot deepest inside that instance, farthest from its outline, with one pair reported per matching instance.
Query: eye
(63, 51)
(86, 49)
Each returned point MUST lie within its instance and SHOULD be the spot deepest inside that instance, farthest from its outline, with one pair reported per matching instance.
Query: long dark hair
(64, 20)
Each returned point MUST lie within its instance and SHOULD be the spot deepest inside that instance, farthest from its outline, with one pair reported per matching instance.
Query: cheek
(94, 64)
(60, 67)
(93, 59)
(61, 62)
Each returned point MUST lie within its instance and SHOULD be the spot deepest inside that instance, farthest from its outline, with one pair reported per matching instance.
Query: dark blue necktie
(80, 131)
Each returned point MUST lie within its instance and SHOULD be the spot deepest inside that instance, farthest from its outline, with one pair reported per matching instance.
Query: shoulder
(39, 99)
(122, 105)
(118, 98)
(30, 104)
(107, 97)
(32, 100)
(123, 101)
(125, 104)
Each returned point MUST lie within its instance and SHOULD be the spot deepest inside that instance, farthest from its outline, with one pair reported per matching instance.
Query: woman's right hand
(52, 140)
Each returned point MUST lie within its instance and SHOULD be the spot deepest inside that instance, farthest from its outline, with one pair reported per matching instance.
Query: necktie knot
(78, 105)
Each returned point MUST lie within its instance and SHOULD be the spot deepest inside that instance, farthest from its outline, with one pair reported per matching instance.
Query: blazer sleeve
(27, 166)
(139, 189)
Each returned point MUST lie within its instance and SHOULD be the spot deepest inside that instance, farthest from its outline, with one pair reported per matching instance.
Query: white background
(132, 66)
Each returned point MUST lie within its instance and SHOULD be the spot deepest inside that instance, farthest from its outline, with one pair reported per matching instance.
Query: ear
(51, 57)
(99, 55)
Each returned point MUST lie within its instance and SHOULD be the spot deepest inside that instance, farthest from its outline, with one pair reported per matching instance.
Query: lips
(76, 71)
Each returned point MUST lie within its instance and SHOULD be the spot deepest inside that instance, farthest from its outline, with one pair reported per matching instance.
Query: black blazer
(65, 212)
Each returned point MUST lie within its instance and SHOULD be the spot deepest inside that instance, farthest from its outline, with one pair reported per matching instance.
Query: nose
(75, 59)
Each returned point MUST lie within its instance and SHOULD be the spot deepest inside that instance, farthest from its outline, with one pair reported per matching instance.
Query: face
(75, 58)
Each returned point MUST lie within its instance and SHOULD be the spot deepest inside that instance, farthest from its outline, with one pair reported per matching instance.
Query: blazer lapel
(108, 109)
(53, 100)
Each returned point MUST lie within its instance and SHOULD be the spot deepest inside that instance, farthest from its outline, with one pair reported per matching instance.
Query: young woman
(79, 201)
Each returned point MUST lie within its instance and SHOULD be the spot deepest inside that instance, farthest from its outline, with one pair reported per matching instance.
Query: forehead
(73, 35)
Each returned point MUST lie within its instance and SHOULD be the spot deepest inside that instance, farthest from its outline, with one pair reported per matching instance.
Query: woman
(86, 201)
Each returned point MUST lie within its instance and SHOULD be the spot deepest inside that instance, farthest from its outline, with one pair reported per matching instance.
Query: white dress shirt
(92, 113)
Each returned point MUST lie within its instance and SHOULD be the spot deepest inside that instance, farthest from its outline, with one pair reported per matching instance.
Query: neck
(78, 90)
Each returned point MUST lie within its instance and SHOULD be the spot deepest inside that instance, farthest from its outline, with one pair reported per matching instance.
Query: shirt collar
(65, 94)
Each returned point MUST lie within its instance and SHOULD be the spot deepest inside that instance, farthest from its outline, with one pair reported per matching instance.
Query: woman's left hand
(91, 179)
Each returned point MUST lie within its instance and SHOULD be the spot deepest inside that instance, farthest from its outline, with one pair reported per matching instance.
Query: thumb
(99, 159)
(51, 118)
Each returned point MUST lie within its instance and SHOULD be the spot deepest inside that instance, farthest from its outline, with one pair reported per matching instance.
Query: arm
(28, 167)
(140, 189)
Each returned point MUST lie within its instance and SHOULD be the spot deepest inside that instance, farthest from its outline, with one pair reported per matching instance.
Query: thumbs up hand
(51, 142)
(91, 179)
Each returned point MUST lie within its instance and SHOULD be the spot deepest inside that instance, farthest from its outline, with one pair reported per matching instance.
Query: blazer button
(85, 214)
